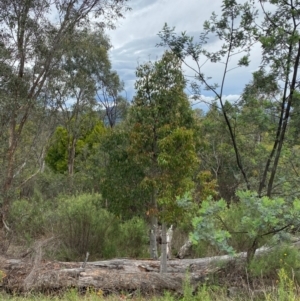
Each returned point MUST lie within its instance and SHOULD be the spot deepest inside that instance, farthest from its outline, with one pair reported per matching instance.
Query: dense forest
(107, 175)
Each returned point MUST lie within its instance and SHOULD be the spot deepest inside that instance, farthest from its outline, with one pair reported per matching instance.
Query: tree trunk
(251, 251)
(163, 257)
(153, 234)
(71, 157)
(185, 249)
(153, 226)
(116, 275)
(9, 173)
(169, 242)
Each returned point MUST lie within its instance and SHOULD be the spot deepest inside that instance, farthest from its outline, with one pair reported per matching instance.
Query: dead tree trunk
(169, 242)
(185, 249)
(112, 276)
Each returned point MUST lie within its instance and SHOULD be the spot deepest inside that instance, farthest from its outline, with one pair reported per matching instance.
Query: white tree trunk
(169, 242)
(184, 250)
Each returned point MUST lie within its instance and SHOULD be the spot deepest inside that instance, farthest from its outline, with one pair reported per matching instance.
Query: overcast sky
(134, 41)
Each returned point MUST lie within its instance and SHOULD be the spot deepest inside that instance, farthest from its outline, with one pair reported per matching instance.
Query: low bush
(247, 225)
(30, 219)
(284, 257)
(84, 226)
(133, 238)
(81, 224)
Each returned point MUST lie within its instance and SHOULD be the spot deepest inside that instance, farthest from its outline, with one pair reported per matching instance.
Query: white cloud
(135, 39)
(210, 99)
(205, 101)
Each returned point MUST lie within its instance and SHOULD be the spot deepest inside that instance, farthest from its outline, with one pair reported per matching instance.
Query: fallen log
(116, 275)
(110, 275)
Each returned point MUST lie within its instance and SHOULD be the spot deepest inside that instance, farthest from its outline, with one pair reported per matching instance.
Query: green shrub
(50, 185)
(267, 265)
(133, 238)
(248, 225)
(86, 227)
(81, 224)
(30, 219)
(286, 289)
(46, 185)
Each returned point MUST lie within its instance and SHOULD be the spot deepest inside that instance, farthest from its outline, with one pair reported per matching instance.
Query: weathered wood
(184, 250)
(108, 275)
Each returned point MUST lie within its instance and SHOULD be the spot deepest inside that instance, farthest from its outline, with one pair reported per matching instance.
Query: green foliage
(79, 219)
(204, 292)
(154, 150)
(260, 219)
(57, 155)
(30, 219)
(205, 225)
(88, 137)
(35, 50)
(252, 133)
(86, 227)
(81, 224)
(283, 257)
(133, 238)
(162, 138)
(286, 290)
(121, 178)
(286, 287)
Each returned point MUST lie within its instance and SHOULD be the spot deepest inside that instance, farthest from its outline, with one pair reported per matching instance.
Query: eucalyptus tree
(85, 72)
(239, 27)
(32, 43)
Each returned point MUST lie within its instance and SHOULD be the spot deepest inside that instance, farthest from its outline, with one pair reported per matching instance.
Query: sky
(135, 39)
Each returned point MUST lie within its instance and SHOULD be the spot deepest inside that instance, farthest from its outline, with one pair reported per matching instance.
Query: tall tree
(162, 140)
(84, 70)
(32, 43)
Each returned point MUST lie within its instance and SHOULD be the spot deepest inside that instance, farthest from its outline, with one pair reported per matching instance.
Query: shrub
(267, 265)
(260, 219)
(30, 219)
(81, 224)
(46, 185)
(133, 238)
(84, 226)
